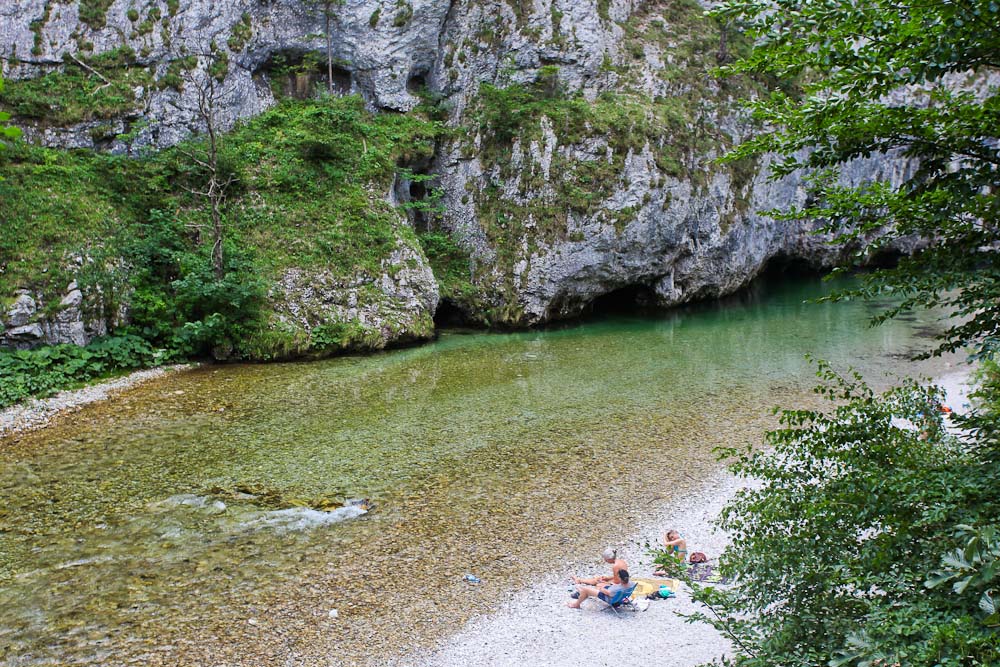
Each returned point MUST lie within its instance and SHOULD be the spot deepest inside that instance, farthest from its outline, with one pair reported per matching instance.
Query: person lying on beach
(606, 592)
(617, 565)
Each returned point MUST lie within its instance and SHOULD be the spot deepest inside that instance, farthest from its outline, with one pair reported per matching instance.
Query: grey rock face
(682, 234)
(678, 237)
(366, 313)
(26, 325)
(382, 49)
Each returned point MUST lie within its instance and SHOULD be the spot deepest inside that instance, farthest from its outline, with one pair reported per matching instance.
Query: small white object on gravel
(36, 413)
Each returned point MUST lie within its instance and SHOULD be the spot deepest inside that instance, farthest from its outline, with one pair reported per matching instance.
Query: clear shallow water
(153, 528)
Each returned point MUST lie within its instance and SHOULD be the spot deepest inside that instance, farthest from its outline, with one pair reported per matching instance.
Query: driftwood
(93, 71)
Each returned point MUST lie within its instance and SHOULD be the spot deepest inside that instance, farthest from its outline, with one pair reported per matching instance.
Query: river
(178, 523)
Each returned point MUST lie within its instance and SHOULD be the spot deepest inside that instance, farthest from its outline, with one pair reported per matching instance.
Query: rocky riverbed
(37, 413)
(136, 529)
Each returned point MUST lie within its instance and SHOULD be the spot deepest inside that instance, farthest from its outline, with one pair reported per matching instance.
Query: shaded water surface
(189, 521)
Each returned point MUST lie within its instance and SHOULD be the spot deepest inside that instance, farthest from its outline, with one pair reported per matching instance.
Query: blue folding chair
(622, 598)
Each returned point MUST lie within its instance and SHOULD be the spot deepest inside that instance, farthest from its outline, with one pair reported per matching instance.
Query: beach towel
(645, 586)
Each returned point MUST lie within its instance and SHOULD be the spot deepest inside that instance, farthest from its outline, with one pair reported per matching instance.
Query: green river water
(173, 524)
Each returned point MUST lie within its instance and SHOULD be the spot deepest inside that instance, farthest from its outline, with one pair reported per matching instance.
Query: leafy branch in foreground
(911, 80)
(841, 553)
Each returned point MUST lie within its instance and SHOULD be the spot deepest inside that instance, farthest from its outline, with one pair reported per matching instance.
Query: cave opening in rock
(418, 199)
(787, 267)
(302, 74)
(415, 193)
(417, 83)
(628, 300)
(341, 80)
(885, 258)
(418, 190)
(448, 315)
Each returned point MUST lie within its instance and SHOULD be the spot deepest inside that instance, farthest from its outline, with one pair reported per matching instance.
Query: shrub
(46, 370)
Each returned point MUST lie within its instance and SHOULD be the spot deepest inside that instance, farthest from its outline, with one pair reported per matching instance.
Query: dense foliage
(872, 539)
(914, 79)
(45, 370)
(308, 192)
(874, 535)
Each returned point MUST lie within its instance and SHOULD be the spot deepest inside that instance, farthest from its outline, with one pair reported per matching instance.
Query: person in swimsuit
(606, 592)
(676, 545)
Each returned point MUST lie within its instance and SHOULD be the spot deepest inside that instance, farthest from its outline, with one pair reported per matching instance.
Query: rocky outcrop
(361, 313)
(607, 179)
(383, 49)
(27, 323)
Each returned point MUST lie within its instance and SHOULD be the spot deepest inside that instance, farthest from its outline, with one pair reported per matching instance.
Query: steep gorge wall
(579, 154)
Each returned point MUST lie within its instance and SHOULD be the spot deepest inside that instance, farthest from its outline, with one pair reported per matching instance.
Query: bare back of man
(617, 565)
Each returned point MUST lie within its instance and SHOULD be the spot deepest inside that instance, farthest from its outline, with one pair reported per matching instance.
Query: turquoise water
(150, 529)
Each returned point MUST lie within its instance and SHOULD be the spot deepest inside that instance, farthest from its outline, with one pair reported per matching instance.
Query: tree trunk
(329, 49)
(216, 190)
(217, 232)
(723, 55)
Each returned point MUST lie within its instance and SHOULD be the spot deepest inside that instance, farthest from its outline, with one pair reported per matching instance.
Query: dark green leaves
(46, 370)
(843, 550)
(878, 79)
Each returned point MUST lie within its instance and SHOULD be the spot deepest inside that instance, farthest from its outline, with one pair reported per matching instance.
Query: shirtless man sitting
(617, 565)
(606, 592)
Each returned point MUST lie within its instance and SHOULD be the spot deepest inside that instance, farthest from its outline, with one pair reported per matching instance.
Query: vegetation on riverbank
(874, 539)
(308, 184)
(43, 371)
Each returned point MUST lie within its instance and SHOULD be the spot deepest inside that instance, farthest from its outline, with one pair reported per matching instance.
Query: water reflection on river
(173, 525)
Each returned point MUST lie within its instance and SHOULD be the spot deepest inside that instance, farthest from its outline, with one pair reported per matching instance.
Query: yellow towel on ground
(645, 586)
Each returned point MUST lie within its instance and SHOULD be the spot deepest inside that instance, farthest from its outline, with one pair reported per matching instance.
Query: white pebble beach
(37, 412)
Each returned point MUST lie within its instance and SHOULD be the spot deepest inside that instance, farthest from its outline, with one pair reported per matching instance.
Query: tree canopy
(872, 539)
(873, 536)
(910, 79)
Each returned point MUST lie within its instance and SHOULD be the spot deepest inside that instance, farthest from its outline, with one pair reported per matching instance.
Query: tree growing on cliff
(326, 6)
(214, 180)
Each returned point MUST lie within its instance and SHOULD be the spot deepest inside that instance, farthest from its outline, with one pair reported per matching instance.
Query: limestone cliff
(579, 156)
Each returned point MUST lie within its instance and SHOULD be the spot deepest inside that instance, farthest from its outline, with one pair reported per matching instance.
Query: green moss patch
(85, 88)
(95, 12)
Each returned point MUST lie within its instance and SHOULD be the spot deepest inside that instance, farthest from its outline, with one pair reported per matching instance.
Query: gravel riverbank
(38, 412)
(533, 626)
